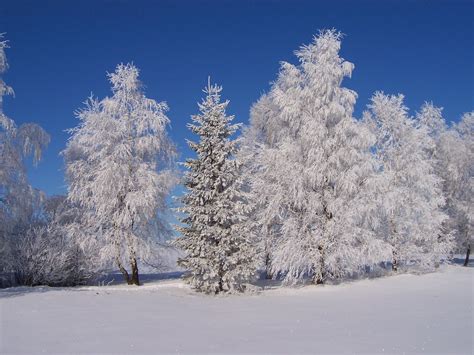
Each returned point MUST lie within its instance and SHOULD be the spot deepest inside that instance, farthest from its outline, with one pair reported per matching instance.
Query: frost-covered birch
(430, 119)
(313, 166)
(463, 196)
(455, 156)
(215, 236)
(265, 130)
(410, 215)
(117, 165)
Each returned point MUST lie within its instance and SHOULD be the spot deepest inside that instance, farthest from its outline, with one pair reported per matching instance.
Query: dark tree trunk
(268, 271)
(394, 261)
(220, 287)
(394, 264)
(135, 279)
(468, 252)
(318, 278)
(124, 272)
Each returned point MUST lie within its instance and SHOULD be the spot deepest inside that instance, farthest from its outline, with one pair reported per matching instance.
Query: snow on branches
(308, 192)
(312, 166)
(410, 199)
(19, 201)
(219, 255)
(118, 167)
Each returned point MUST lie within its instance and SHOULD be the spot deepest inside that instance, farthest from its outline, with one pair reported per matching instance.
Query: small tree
(117, 166)
(215, 238)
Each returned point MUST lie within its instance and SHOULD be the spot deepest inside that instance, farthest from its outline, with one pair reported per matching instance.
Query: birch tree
(118, 166)
(462, 185)
(313, 166)
(411, 200)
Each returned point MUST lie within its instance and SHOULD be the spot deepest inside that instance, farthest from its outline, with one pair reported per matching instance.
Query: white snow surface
(430, 313)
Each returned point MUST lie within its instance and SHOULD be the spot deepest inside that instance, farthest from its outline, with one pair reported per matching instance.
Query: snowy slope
(430, 313)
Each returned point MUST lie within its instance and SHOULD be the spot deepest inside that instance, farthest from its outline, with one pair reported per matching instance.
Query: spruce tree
(219, 255)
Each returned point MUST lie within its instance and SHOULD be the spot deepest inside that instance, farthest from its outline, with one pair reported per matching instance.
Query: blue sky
(61, 50)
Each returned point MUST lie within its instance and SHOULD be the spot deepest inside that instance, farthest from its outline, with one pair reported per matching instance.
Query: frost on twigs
(409, 215)
(19, 202)
(308, 167)
(118, 165)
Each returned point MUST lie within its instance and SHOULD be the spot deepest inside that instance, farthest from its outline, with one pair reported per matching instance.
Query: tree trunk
(468, 252)
(135, 279)
(319, 276)
(124, 272)
(394, 262)
(319, 279)
(220, 287)
(268, 271)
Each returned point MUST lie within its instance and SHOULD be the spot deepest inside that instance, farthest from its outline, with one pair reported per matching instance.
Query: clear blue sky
(61, 50)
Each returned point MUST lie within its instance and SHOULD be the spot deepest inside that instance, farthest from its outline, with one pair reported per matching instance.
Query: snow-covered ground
(431, 313)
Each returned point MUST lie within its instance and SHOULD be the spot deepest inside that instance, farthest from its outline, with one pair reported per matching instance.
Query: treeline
(305, 193)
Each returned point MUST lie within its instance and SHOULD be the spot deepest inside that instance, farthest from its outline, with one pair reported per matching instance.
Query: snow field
(430, 313)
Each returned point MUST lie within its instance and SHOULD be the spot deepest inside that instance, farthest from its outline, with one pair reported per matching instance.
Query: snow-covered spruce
(215, 238)
(117, 165)
(409, 215)
(19, 201)
(311, 168)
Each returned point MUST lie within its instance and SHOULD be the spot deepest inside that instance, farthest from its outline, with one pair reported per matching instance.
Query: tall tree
(118, 168)
(313, 165)
(455, 153)
(19, 201)
(266, 130)
(215, 238)
(464, 196)
(411, 200)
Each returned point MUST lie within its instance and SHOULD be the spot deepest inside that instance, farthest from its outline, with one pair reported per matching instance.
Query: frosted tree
(18, 200)
(266, 129)
(455, 154)
(463, 195)
(410, 201)
(54, 250)
(431, 119)
(313, 166)
(118, 168)
(217, 243)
